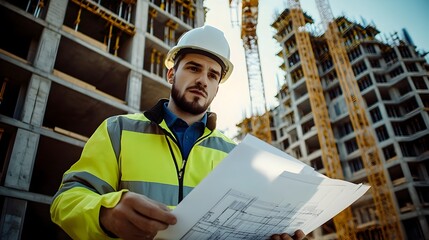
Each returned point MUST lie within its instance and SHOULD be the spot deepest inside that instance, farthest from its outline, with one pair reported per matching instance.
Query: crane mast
(383, 201)
(260, 119)
(344, 221)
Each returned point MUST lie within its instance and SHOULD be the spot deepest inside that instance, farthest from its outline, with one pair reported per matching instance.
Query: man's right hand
(136, 217)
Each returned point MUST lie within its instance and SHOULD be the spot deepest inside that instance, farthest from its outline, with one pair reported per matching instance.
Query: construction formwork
(65, 66)
(393, 81)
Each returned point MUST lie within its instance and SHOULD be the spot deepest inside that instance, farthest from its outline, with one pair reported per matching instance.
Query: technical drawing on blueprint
(240, 216)
(273, 194)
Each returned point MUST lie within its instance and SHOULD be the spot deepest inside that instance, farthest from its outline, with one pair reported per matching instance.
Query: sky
(232, 103)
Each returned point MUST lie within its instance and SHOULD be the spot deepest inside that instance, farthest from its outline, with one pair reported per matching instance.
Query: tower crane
(343, 221)
(383, 201)
(260, 119)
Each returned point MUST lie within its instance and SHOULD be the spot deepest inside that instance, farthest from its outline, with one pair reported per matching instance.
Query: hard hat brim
(169, 60)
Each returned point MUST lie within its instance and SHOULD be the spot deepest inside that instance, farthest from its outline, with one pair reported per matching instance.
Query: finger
(275, 237)
(130, 231)
(153, 210)
(146, 224)
(285, 236)
(160, 205)
(160, 212)
(299, 235)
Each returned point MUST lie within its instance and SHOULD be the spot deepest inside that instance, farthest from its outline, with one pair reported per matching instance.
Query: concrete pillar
(22, 160)
(12, 222)
(24, 150)
(47, 51)
(199, 13)
(424, 222)
(56, 12)
(137, 52)
(35, 100)
(134, 87)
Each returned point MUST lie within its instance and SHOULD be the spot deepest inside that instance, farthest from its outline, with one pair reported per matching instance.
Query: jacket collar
(156, 114)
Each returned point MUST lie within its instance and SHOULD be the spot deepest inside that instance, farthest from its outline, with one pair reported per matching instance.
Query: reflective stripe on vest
(164, 193)
(115, 126)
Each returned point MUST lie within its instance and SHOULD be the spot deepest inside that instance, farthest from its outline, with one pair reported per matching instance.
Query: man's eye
(213, 76)
(194, 69)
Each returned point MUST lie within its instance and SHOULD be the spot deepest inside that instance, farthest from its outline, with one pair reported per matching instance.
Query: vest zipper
(181, 176)
(181, 172)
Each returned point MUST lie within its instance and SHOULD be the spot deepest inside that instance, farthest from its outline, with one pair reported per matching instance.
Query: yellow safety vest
(134, 152)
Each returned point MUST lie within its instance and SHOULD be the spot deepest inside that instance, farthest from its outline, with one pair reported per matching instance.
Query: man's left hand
(299, 235)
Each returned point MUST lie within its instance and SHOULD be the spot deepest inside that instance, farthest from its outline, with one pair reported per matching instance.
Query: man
(134, 167)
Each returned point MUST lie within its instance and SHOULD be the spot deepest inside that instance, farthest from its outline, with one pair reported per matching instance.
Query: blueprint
(257, 191)
(240, 216)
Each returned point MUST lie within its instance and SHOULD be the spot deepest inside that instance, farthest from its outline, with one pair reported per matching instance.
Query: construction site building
(393, 79)
(65, 66)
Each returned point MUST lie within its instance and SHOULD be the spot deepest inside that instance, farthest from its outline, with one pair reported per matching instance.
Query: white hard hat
(206, 40)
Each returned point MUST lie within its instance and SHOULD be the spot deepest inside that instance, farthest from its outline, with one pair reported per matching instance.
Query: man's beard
(192, 106)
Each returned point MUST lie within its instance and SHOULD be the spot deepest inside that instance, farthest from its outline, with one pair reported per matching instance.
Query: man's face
(195, 83)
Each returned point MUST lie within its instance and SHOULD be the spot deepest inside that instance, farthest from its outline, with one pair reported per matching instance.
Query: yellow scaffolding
(106, 15)
(343, 221)
(3, 89)
(260, 120)
(383, 200)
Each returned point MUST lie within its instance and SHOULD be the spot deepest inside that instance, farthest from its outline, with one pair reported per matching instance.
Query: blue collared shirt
(186, 135)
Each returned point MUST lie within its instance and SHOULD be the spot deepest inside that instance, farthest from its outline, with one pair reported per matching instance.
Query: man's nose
(203, 79)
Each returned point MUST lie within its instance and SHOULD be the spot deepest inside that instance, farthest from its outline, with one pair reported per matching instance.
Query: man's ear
(170, 75)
